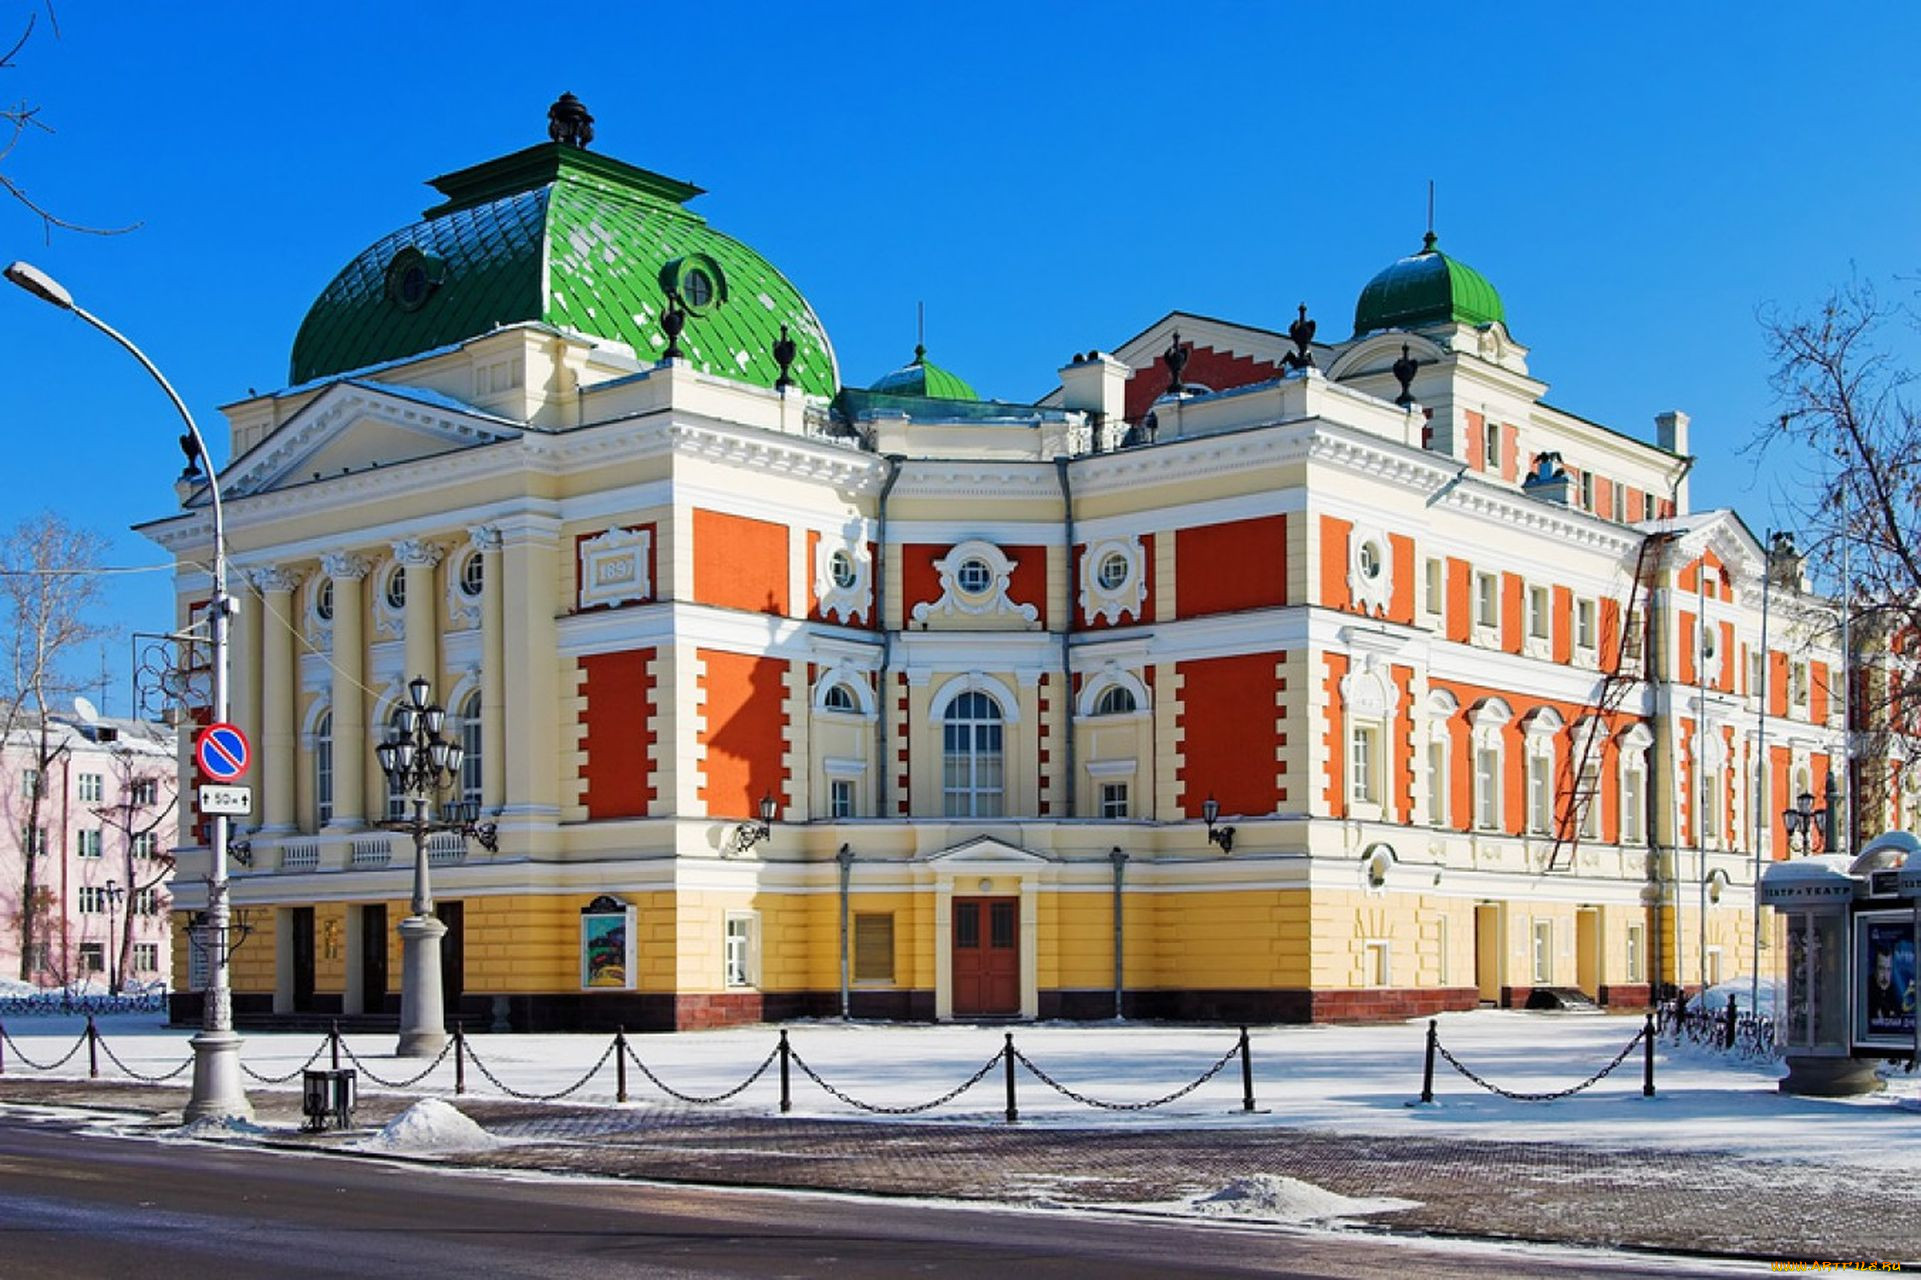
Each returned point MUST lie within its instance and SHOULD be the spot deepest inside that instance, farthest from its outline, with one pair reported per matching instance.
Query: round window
(974, 577)
(840, 569)
(323, 600)
(1370, 560)
(473, 575)
(696, 288)
(412, 277)
(397, 588)
(1113, 573)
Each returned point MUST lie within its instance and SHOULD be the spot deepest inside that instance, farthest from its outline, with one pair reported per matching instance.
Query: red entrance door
(987, 957)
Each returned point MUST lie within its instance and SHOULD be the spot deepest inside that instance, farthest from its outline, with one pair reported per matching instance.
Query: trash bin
(327, 1099)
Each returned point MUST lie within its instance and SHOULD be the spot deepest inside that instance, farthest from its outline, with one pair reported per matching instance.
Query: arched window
(396, 800)
(323, 768)
(838, 698)
(971, 780)
(470, 742)
(1116, 700)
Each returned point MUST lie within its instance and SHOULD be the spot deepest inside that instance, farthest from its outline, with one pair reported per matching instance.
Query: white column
(279, 689)
(529, 648)
(349, 659)
(493, 676)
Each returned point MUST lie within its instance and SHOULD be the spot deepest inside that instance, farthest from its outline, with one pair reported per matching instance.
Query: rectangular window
(1617, 502)
(1712, 976)
(1637, 952)
(1437, 783)
(42, 957)
(1710, 803)
(144, 791)
(1436, 586)
(1647, 506)
(1798, 683)
(89, 786)
(1001, 918)
(1375, 963)
(1487, 788)
(1588, 796)
(34, 839)
(93, 957)
(1487, 600)
(146, 957)
(1364, 757)
(873, 947)
(146, 902)
(1587, 491)
(1754, 674)
(840, 798)
(1539, 792)
(29, 783)
(1491, 446)
(86, 844)
(1537, 612)
(739, 948)
(1543, 952)
(146, 845)
(1113, 799)
(1633, 806)
(1584, 624)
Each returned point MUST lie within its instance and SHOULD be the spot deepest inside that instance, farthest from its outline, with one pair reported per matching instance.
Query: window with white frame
(1540, 790)
(323, 768)
(1436, 599)
(1369, 699)
(93, 957)
(144, 791)
(1487, 786)
(1798, 684)
(1437, 791)
(840, 797)
(87, 844)
(1364, 763)
(838, 697)
(90, 787)
(146, 844)
(1491, 446)
(1375, 968)
(1543, 952)
(1637, 946)
(1617, 501)
(1116, 700)
(396, 796)
(1634, 785)
(740, 948)
(467, 721)
(1487, 600)
(1114, 800)
(29, 783)
(1647, 506)
(1584, 631)
(1754, 674)
(1538, 614)
(92, 900)
(34, 839)
(1588, 796)
(146, 902)
(972, 768)
(1587, 491)
(146, 957)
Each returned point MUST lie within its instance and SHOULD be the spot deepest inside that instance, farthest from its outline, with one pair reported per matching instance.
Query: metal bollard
(1427, 1072)
(1727, 1040)
(786, 1086)
(620, 1064)
(460, 1061)
(333, 1034)
(1247, 1075)
(1647, 1058)
(1007, 1056)
(93, 1049)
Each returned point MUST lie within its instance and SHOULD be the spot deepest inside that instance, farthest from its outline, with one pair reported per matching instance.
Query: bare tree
(48, 589)
(1849, 416)
(22, 119)
(144, 801)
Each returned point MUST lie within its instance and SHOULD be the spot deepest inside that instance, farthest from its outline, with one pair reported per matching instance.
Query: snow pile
(217, 1128)
(1276, 1198)
(15, 987)
(430, 1127)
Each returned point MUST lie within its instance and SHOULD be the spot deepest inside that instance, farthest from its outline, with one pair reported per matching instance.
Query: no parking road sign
(222, 752)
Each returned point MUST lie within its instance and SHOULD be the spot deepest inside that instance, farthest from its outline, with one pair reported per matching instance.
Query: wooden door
(453, 953)
(303, 959)
(373, 957)
(987, 957)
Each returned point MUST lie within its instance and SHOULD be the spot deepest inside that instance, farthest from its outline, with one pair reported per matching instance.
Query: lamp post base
(217, 1093)
(423, 1019)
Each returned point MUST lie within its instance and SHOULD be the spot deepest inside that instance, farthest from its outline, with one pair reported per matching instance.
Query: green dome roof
(921, 377)
(1427, 288)
(560, 235)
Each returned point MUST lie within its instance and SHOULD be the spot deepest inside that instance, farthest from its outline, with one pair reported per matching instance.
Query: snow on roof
(1820, 866)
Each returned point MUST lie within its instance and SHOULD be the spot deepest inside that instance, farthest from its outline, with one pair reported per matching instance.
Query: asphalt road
(77, 1203)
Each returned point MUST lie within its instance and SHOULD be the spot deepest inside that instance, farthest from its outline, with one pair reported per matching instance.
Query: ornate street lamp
(750, 833)
(216, 1049)
(420, 762)
(114, 894)
(1222, 836)
(1804, 820)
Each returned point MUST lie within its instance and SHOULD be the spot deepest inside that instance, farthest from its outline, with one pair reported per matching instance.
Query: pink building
(105, 822)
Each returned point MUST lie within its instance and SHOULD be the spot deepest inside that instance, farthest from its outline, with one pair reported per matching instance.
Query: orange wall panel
(1239, 564)
(1561, 625)
(1818, 676)
(1476, 441)
(1460, 601)
(1400, 605)
(1228, 724)
(740, 563)
(1334, 537)
(618, 697)
(744, 731)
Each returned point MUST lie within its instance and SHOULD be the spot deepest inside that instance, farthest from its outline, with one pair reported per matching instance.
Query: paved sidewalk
(1670, 1201)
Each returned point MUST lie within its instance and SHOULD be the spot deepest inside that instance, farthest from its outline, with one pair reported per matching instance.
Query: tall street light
(420, 762)
(114, 893)
(216, 1049)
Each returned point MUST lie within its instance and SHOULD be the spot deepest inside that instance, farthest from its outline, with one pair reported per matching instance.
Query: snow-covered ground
(1350, 1079)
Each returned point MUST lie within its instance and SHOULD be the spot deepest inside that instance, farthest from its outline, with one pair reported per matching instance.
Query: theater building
(1472, 693)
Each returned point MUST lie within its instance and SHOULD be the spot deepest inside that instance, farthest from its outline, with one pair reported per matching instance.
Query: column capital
(418, 552)
(275, 578)
(345, 566)
(485, 537)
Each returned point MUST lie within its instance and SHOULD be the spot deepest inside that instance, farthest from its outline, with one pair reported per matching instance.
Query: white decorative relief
(1114, 580)
(844, 579)
(1366, 691)
(613, 568)
(390, 619)
(1370, 568)
(974, 580)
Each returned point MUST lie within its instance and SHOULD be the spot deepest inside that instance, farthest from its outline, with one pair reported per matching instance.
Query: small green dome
(1427, 288)
(559, 235)
(921, 377)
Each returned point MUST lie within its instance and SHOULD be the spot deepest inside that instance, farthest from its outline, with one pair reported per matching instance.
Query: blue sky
(1639, 184)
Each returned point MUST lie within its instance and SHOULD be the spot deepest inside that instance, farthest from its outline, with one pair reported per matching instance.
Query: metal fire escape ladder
(1582, 783)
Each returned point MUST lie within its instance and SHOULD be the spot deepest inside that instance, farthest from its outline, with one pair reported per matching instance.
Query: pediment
(1724, 533)
(985, 851)
(356, 426)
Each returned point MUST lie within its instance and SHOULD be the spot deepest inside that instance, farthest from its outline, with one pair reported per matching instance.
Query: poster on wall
(1884, 980)
(607, 945)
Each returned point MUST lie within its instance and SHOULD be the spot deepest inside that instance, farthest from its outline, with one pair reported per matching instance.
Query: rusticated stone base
(1631, 995)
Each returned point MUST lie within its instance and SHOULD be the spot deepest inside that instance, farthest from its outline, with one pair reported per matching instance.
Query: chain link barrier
(1149, 1105)
(569, 1091)
(288, 1078)
(14, 1045)
(142, 1077)
(410, 1081)
(695, 1099)
(1510, 1094)
(879, 1110)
